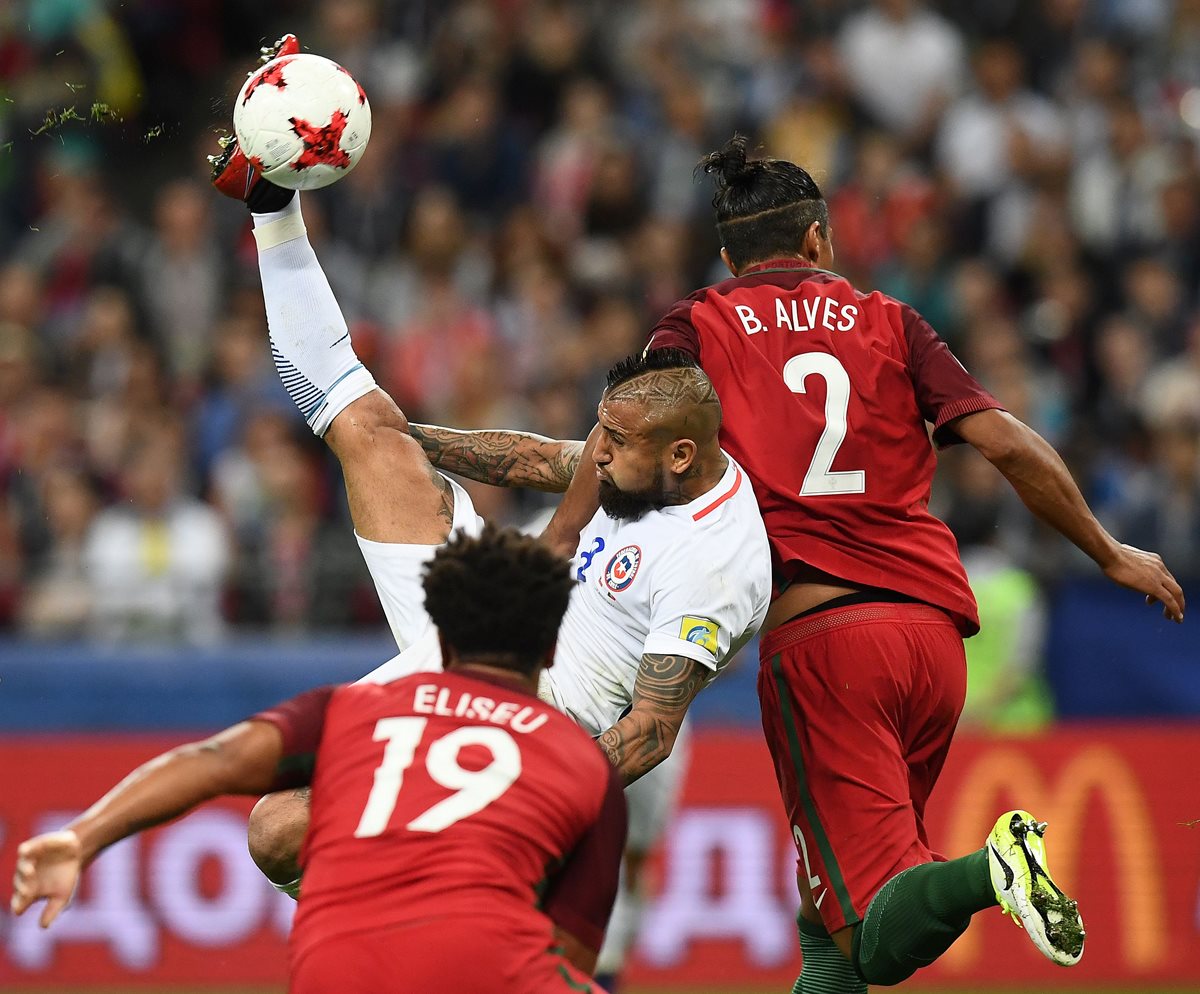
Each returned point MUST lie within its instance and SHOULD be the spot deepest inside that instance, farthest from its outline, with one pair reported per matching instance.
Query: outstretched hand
(48, 866)
(1146, 573)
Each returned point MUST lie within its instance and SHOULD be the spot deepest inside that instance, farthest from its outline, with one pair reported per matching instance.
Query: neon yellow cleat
(1025, 890)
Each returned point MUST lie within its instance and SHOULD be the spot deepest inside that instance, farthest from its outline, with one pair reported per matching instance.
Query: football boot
(1026, 892)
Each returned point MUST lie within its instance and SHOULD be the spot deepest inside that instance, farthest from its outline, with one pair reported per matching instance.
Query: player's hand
(48, 866)
(1146, 573)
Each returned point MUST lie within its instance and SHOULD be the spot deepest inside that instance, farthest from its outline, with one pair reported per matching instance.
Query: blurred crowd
(1024, 172)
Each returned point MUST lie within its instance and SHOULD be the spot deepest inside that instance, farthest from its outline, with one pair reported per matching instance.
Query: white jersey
(692, 580)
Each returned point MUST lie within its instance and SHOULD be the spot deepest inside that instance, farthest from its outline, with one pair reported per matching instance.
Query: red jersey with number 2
(825, 393)
(443, 797)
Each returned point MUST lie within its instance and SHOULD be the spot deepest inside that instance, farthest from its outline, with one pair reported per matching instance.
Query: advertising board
(184, 904)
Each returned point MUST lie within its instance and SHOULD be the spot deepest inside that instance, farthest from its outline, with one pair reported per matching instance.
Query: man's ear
(812, 247)
(548, 659)
(683, 454)
(728, 261)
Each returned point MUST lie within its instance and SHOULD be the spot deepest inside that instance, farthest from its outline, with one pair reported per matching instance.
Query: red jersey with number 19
(448, 808)
(825, 393)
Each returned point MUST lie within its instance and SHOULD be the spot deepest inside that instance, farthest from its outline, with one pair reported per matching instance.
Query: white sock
(309, 337)
(622, 929)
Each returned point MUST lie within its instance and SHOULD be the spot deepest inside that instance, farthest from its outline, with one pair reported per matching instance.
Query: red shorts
(859, 704)
(445, 955)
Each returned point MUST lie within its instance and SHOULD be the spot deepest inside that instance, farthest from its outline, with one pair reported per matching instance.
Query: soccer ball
(303, 121)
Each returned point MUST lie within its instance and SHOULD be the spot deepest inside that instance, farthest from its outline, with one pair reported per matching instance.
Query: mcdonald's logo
(1004, 773)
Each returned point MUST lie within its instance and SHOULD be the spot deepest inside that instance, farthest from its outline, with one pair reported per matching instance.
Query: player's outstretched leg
(917, 916)
(395, 495)
(1017, 858)
(919, 913)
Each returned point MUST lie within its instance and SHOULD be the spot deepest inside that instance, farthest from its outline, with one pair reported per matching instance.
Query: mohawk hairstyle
(649, 362)
(499, 596)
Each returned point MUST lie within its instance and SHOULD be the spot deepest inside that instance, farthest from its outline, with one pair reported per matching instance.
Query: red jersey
(443, 795)
(825, 393)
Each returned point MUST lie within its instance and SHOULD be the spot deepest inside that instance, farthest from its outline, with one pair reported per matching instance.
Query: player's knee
(879, 965)
(275, 832)
(364, 426)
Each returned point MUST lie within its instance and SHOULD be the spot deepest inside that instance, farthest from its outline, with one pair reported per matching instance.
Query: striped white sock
(309, 338)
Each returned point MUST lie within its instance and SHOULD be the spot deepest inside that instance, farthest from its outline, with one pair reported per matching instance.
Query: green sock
(825, 970)
(917, 915)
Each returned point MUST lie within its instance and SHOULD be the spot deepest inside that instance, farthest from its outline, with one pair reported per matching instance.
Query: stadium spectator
(1163, 507)
(993, 143)
(155, 562)
(1116, 189)
(1006, 691)
(181, 281)
(1099, 76)
(58, 600)
(902, 39)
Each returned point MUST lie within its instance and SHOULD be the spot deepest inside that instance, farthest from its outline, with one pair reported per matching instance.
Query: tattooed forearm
(662, 693)
(501, 458)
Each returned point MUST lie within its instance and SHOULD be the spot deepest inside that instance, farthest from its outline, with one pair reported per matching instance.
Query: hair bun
(729, 162)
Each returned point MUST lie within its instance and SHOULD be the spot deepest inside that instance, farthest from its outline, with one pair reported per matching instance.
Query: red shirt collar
(793, 263)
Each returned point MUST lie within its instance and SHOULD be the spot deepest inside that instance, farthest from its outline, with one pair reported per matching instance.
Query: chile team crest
(622, 568)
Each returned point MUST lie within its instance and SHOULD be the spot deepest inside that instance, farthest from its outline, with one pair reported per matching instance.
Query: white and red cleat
(289, 44)
(235, 175)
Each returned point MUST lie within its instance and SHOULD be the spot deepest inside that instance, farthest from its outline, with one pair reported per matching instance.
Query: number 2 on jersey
(820, 478)
(473, 790)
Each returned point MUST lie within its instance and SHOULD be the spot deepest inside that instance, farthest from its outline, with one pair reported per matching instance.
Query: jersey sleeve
(676, 331)
(301, 722)
(695, 608)
(581, 895)
(945, 390)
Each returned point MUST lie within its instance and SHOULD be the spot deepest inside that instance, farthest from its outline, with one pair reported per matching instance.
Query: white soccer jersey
(692, 580)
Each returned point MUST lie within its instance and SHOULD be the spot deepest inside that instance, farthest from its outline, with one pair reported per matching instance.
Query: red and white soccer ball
(303, 120)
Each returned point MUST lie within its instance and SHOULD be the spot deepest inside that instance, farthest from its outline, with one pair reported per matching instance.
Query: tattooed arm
(578, 505)
(501, 458)
(662, 692)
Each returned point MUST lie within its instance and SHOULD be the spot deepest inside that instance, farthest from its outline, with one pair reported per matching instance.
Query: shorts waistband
(808, 625)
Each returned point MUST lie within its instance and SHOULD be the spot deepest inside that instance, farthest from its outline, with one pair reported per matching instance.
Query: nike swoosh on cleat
(1009, 876)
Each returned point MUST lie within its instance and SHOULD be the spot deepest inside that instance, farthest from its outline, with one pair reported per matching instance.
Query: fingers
(1171, 600)
(1150, 574)
(1177, 594)
(53, 906)
(48, 866)
(23, 893)
(19, 902)
(1170, 593)
(1172, 614)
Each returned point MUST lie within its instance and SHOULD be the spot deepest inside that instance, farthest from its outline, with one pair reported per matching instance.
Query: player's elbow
(999, 437)
(275, 832)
